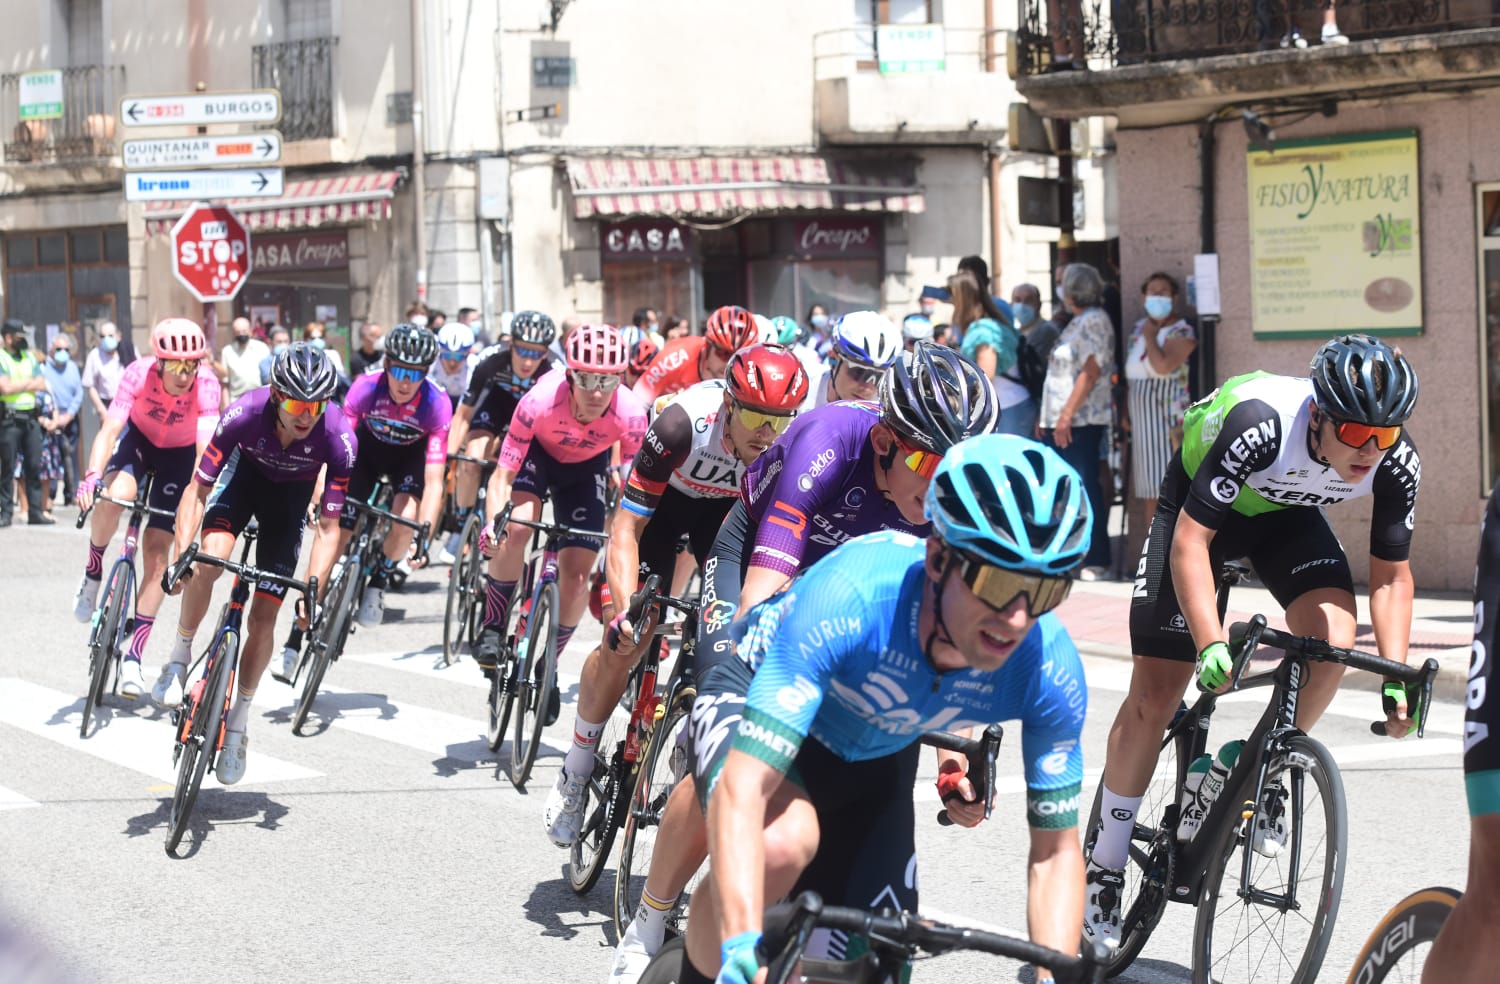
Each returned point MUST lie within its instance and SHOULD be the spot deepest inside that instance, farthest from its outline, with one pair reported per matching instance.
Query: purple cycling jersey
(425, 416)
(249, 428)
(815, 489)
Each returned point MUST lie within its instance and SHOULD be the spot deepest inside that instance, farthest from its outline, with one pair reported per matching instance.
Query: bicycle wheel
(503, 681)
(606, 793)
(1267, 929)
(106, 638)
(1397, 949)
(1148, 867)
(464, 578)
(202, 742)
(534, 681)
(666, 966)
(664, 761)
(325, 644)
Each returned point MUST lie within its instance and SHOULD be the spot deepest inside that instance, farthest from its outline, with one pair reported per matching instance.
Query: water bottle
(1213, 784)
(1192, 811)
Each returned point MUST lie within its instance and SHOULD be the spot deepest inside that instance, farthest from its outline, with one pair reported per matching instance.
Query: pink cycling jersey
(166, 421)
(545, 415)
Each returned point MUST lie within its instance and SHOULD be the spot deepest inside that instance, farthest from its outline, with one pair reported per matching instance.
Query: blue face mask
(1158, 307)
(316, 343)
(819, 320)
(109, 344)
(60, 357)
(1025, 314)
(279, 348)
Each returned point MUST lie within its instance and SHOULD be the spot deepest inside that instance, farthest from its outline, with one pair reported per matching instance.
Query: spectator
(417, 314)
(314, 334)
(61, 373)
(281, 340)
(915, 328)
(1076, 412)
(241, 361)
(1065, 24)
(436, 320)
(1018, 407)
(568, 326)
(103, 368)
(677, 327)
(21, 386)
(471, 317)
(51, 467)
(645, 319)
(820, 328)
(1156, 382)
(988, 340)
(370, 350)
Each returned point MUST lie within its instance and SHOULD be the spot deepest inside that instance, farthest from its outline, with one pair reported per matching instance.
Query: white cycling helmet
(917, 328)
(768, 332)
(867, 338)
(455, 339)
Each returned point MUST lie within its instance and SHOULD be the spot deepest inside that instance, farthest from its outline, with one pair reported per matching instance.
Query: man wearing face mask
(20, 431)
(1020, 387)
(281, 340)
(61, 373)
(103, 368)
(241, 360)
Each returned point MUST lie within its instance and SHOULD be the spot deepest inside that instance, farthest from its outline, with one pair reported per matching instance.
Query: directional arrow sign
(202, 108)
(255, 148)
(169, 186)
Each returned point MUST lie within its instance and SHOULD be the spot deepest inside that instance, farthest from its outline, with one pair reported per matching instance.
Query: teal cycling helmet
(788, 332)
(1011, 502)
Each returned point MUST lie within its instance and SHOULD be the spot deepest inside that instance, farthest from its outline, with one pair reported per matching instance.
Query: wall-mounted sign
(204, 151)
(651, 239)
(1335, 236)
(300, 251)
(41, 95)
(552, 72)
(202, 108)
(903, 48)
(837, 237)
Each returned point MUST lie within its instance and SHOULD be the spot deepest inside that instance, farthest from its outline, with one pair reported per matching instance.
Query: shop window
(86, 246)
(116, 245)
(52, 250)
(1489, 314)
(20, 252)
(869, 13)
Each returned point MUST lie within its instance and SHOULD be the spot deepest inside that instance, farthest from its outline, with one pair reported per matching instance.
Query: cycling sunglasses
(861, 375)
(299, 407)
(1358, 435)
(406, 374)
(527, 352)
(595, 382)
(924, 463)
(998, 587)
(180, 367)
(454, 355)
(756, 419)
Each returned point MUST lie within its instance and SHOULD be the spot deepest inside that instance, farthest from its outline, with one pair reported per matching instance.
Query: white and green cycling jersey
(1248, 448)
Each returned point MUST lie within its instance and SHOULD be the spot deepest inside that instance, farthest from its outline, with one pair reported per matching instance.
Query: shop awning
(308, 203)
(726, 186)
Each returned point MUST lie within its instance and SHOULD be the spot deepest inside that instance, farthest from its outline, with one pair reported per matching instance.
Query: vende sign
(837, 237)
(309, 251)
(661, 240)
(211, 252)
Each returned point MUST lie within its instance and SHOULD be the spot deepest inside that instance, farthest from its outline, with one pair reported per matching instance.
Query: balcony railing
(303, 72)
(1128, 32)
(84, 132)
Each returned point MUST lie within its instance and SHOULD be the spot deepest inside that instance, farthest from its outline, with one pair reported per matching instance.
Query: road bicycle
(618, 754)
(114, 619)
(525, 678)
(1397, 948)
(347, 581)
(1273, 916)
(199, 719)
(463, 616)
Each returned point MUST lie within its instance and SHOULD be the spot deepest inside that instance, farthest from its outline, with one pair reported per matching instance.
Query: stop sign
(211, 252)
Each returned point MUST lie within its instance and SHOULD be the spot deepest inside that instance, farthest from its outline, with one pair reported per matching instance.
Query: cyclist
(791, 334)
(916, 328)
(1467, 950)
(1260, 458)
(865, 345)
(455, 363)
(501, 378)
(694, 358)
(838, 472)
(641, 354)
(684, 480)
(165, 409)
(559, 445)
(262, 464)
(836, 679)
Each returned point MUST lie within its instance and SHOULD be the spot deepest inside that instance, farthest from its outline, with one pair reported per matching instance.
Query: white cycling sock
(1116, 821)
(235, 720)
(182, 648)
(580, 760)
(650, 923)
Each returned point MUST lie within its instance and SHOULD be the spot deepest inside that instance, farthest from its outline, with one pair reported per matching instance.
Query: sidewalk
(1097, 616)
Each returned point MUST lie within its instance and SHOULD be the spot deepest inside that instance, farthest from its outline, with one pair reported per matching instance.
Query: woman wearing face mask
(280, 340)
(1156, 381)
(819, 324)
(103, 368)
(313, 335)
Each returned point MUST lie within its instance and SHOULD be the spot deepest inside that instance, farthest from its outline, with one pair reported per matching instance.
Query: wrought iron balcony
(1129, 32)
(303, 72)
(85, 132)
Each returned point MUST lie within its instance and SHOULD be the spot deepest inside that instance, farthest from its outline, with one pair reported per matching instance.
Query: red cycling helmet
(767, 377)
(178, 338)
(641, 355)
(731, 328)
(597, 348)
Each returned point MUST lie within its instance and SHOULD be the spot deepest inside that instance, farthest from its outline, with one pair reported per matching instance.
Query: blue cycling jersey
(837, 656)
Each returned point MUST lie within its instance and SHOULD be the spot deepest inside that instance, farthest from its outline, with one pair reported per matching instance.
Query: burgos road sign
(255, 148)
(171, 186)
(202, 108)
(211, 252)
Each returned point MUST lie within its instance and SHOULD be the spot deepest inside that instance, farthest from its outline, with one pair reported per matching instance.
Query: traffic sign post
(211, 252)
(202, 108)
(173, 186)
(145, 153)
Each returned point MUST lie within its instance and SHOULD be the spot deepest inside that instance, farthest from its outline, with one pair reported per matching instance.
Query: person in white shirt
(103, 368)
(241, 361)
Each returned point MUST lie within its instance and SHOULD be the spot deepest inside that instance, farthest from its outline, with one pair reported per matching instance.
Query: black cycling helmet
(933, 397)
(411, 345)
(1362, 379)
(532, 328)
(304, 372)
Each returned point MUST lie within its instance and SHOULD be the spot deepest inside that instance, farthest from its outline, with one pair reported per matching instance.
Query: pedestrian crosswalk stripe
(12, 800)
(429, 664)
(139, 743)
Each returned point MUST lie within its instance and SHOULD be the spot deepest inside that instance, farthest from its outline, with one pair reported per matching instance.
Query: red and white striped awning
(727, 186)
(308, 203)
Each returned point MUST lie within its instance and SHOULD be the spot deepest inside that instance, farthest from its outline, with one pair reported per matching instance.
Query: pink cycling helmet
(178, 338)
(597, 348)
